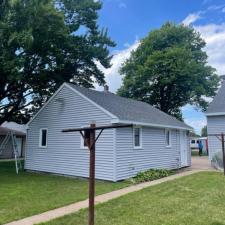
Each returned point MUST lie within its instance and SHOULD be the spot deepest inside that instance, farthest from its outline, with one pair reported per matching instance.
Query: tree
(169, 69)
(43, 44)
(204, 132)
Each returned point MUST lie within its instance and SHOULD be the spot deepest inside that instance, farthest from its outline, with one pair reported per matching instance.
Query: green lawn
(27, 194)
(195, 153)
(197, 199)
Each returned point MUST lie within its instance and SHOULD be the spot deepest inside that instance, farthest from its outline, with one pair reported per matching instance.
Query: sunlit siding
(215, 125)
(63, 154)
(153, 154)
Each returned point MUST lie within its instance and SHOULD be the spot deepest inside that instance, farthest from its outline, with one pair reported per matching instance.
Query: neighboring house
(157, 140)
(7, 152)
(195, 141)
(216, 121)
(15, 126)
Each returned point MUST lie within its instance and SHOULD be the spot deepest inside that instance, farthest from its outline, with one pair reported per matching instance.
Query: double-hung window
(43, 138)
(137, 136)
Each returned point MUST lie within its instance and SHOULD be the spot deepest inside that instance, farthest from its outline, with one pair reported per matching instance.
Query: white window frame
(40, 138)
(140, 129)
(170, 137)
(82, 142)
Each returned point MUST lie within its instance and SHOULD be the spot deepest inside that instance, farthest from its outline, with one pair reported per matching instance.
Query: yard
(27, 194)
(196, 199)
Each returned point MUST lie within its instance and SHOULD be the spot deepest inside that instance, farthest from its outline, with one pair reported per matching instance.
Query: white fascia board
(215, 114)
(150, 124)
(92, 102)
(50, 99)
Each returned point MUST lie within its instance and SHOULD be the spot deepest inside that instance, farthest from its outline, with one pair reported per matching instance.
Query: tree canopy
(204, 132)
(169, 69)
(43, 44)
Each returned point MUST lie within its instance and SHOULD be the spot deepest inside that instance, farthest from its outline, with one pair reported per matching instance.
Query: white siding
(63, 154)
(153, 154)
(215, 125)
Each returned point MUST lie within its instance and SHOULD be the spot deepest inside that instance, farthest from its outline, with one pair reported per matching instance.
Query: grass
(27, 194)
(196, 199)
(195, 153)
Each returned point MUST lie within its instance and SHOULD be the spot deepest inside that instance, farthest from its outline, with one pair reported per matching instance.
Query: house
(157, 140)
(6, 152)
(216, 121)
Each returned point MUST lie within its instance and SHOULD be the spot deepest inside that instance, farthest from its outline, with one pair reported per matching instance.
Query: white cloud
(113, 78)
(191, 18)
(196, 123)
(214, 35)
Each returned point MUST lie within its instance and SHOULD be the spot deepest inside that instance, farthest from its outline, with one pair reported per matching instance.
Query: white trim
(114, 155)
(215, 114)
(140, 136)
(149, 124)
(94, 103)
(40, 138)
(77, 92)
(170, 138)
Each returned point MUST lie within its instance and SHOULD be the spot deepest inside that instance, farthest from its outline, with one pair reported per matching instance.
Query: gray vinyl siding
(153, 154)
(63, 154)
(215, 125)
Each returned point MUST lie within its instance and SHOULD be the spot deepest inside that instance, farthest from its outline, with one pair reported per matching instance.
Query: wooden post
(91, 217)
(222, 140)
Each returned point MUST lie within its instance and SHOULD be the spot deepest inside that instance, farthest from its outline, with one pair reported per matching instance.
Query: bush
(152, 174)
(217, 160)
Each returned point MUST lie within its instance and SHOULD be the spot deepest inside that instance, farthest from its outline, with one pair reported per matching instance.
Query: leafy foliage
(152, 174)
(204, 131)
(43, 44)
(169, 69)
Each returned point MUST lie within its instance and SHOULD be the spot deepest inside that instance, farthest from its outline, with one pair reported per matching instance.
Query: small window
(84, 143)
(197, 141)
(43, 137)
(137, 137)
(192, 141)
(168, 138)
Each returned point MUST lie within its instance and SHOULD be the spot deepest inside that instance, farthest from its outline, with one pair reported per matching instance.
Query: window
(168, 138)
(83, 143)
(192, 141)
(43, 138)
(137, 137)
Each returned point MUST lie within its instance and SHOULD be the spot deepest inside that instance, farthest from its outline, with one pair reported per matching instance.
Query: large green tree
(169, 69)
(43, 44)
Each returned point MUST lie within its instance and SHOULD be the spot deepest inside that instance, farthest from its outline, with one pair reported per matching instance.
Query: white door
(183, 149)
(19, 146)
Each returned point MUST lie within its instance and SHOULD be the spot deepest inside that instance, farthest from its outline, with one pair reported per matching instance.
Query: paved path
(201, 162)
(52, 214)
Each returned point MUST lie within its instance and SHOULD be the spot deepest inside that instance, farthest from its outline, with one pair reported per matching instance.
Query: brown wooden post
(91, 217)
(222, 140)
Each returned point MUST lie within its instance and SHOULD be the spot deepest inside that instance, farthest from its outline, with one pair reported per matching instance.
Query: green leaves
(43, 44)
(169, 69)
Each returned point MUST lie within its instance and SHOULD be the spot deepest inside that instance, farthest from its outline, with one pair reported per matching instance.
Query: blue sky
(130, 20)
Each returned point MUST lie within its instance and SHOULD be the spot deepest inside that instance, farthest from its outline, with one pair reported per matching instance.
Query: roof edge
(151, 124)
(91, 101)
(215, 114)
(77, 92)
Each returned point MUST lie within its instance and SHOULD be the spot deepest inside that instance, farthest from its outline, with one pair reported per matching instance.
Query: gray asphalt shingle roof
(218, 103)
(129, 109)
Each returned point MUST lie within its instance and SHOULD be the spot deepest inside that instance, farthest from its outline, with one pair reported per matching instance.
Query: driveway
(201, 163)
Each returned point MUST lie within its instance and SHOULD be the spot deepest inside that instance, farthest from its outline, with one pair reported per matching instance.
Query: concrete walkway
(201, 162)
(55, 213)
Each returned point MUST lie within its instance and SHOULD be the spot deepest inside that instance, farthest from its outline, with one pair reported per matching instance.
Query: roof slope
(129, 109)
(218, 103)
(4, 131)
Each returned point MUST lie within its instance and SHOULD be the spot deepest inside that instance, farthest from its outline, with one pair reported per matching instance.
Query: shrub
(152, 174)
